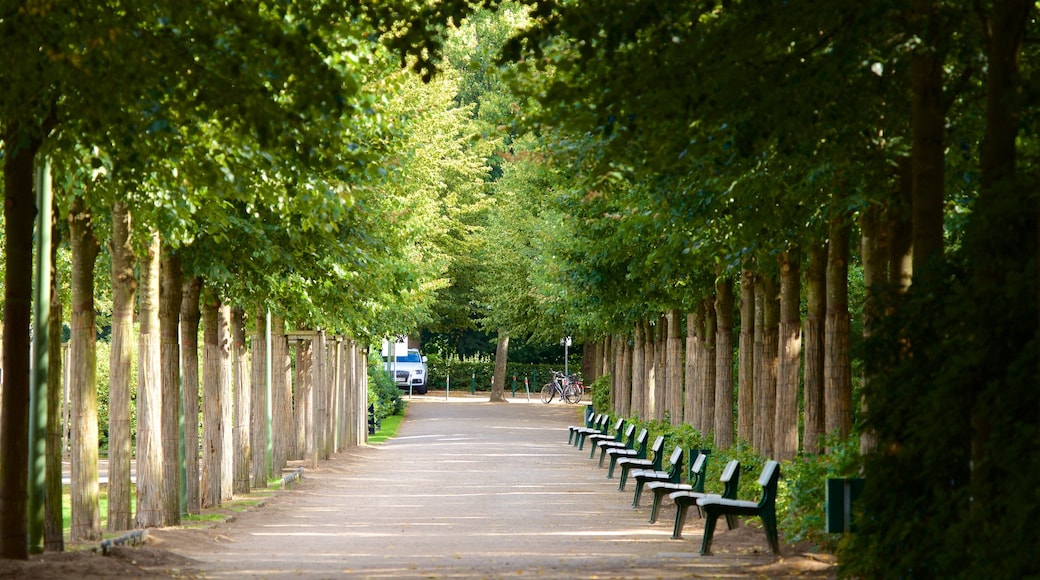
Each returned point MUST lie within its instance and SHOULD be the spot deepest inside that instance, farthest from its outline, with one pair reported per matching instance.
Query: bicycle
(563, 385)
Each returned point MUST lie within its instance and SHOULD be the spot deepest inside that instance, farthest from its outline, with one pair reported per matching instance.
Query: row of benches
(629, 453)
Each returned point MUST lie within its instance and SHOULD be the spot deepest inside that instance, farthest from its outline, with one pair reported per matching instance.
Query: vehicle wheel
(547, 393)
(572, 394)
(421, 390)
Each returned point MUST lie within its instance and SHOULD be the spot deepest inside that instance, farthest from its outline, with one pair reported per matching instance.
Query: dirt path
(466, 490)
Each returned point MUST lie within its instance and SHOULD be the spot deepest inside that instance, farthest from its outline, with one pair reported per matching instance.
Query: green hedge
(476, 374)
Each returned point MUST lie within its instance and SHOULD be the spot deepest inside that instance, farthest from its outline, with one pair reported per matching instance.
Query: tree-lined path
(471, 490)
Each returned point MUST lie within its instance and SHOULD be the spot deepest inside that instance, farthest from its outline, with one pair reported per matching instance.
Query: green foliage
(465, 374)
(383, 394)
(103, 352)
(802, 493)
(601, 394)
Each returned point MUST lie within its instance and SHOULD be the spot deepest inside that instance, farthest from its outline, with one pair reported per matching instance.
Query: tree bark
(707, 387)
(498, 387)
(227, 420)
(765, 387)
(19, 217)
(724, 363)
(258, 422)
(86, 517)
(281, 396)
(171, 287)
(790, 354)
(190, 318)
(639, 371)
(650, 400)
(243, 450)
(873, 256)
(124, 292)
(694, 354)
(661, 368)
(837, 372)
(746, 351)
(151, 491)
(901, 228)
(674, 368)
(816, 308)
(303, 400)
(212, 440)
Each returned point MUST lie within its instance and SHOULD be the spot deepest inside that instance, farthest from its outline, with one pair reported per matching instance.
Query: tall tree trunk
(765, 387)
(258, 422)
(901, 228)
(746, 358)
(625, 354)
(588, 358)
(318, 396)
(674, 368)
(124, 292)
(873, 255)
(53, 532)
(650, 400)
(171, 287)
(790, 354)
(639, 371)
(707, 387)
(151, 492)
(281, 396)
(191, 315)
(661, 368)
(227, 420)
(694, 355)
(605, 366)
(837, 372)
(303, 401)
(724, 363)
(619, 380)
(19, 216)
(498, 386)
(86, 517)
(243, 452)
(212, 439)
(816, 312)
(928, 133)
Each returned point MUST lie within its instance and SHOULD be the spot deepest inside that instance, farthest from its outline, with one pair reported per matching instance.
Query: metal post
(447, 387)
(41, 361)
(473, 384)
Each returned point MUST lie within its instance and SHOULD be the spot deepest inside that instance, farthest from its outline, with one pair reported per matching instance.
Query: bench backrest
(641, 441)
(619, 429)
(602, 421)
(676, 461)
(730, 479)
(630, 435)
(698, 468)
(768, 480)
(656, 449)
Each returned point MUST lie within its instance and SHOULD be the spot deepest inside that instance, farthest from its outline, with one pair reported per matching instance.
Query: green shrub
(601, 394)
(383, 394)
(476, 373)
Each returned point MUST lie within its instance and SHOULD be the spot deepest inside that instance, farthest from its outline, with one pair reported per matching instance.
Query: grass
(387, 429)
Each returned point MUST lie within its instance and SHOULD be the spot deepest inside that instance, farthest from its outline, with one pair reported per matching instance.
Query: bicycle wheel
(547, 393)
(572, 394)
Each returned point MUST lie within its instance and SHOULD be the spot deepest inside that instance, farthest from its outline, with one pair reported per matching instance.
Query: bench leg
(610, 470)
(602, 454)
(681, 508)
(581, 441)
(592, 451)
(656, 505)
(710, 518)
(638, 492)
(768, 516)
(624, 477)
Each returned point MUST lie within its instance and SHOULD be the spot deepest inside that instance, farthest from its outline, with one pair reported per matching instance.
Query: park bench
(627, 464)
(593, 439)
(765, 508)
(730, 479)
(627, 441)
(594, 427)
(601, 426)
(590, 420)
(694, 482)
(643, 476)
(636, 451)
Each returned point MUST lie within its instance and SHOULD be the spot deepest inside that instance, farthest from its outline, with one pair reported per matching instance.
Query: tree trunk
(498, 387)
(171, 287)
(746, 358)
(873, 256)
(724, 363)
(765, 387)
(707, 387)
(19, 217)
(190, 318)
(901, 228)
(588, 358)
(281, 396)
(928, 134)
(86, 517)
(625, 355)
(837, 372)
(650, 400)
(816, 312)
(151, 491)
(790, 354)
(318, 396)
(674, 368)
(258, 422)
(212, 440)
(605, 367)
(227, 420)
(124, 292)
(303, 401)
(661, 368)
(621, 381)
(694, 354)
(243, 454)
(53, 533)
(639, 371)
